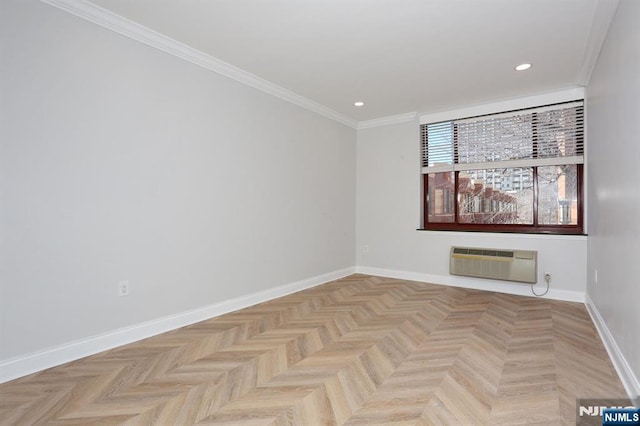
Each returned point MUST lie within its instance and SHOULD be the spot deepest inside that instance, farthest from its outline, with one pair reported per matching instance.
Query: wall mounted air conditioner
(498, 264)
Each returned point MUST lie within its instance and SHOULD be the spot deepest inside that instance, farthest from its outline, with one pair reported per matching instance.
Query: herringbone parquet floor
(360, 350)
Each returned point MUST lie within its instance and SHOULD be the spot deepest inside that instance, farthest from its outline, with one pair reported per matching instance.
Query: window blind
(550, 135)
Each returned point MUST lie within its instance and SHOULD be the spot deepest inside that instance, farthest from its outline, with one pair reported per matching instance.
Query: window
(520, 171)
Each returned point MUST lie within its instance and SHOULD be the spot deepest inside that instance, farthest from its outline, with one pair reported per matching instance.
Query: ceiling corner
(385, 121)
(603, 16)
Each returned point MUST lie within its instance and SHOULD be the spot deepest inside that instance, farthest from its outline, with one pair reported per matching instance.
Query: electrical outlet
(365, 248)
(123, 288)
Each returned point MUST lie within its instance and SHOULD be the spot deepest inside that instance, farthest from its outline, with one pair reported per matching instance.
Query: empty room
(280, 212)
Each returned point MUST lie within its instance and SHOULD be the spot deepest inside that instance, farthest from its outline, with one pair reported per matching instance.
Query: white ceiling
(398, 56)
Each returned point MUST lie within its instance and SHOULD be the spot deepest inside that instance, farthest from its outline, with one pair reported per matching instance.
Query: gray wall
(119, 161)
(613, 108)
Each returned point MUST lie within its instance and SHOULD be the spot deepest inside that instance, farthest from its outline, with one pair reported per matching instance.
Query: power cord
(547, 278)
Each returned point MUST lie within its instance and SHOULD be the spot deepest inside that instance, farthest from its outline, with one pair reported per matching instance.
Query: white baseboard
(629, 380)
(474, 283)
(30, 363)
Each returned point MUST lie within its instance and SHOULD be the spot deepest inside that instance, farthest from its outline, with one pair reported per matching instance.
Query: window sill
(507, 234)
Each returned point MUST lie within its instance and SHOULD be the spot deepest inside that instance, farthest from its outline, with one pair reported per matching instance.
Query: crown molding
(386, 121)
(142, 34)
(558, 96)
(603, 16)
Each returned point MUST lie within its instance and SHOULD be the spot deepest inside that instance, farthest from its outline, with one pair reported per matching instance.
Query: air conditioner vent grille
(501, 264)
(483, 252)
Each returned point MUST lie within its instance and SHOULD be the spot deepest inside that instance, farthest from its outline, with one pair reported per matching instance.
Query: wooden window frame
(534, 228)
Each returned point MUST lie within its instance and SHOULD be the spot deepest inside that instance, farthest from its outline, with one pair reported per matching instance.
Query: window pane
(496, 196)
(495, 139)
(438, 144)
(558, 195)
(560, 132)
(441, 197)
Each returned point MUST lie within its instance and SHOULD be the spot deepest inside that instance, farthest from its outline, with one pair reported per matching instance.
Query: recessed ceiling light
(523, 67)
(358, 104)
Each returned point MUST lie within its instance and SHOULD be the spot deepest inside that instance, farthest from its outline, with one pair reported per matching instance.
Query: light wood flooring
(360, 350)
